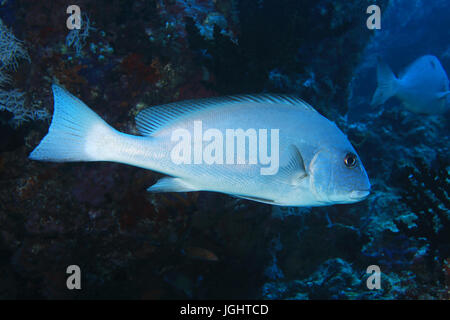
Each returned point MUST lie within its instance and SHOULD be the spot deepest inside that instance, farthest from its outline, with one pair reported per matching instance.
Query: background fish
(200, 253)
(423, 87)
(318, 165)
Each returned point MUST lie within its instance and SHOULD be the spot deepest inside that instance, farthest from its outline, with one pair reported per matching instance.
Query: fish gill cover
(137, 245)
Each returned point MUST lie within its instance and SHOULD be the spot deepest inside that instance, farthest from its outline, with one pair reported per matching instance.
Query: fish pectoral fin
(168, 184)
(443, 95)
(295, 170)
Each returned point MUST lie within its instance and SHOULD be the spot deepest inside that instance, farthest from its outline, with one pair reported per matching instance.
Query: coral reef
(425, 191)
(315, 47)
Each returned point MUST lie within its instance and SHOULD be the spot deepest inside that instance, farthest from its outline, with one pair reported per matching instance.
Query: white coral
(12, 50)
(14, 102)
(76, 38)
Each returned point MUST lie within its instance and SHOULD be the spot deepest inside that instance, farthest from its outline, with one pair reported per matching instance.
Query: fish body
(309, 155)
(423, 87)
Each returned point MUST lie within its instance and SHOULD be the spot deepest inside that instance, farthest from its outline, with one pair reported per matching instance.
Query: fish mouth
(359, 194)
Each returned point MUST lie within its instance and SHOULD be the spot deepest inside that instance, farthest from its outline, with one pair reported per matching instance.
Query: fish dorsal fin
(295, 170)
(150, 119)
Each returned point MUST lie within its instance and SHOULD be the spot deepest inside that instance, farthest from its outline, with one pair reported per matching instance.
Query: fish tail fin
(387, 84)
(76, 133)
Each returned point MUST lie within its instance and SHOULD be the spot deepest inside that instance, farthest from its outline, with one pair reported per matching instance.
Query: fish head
(337, 175)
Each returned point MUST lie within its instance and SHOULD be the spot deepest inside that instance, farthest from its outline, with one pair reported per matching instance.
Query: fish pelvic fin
(387, 84)
(76, 132)
(257, 199)
(168, 184)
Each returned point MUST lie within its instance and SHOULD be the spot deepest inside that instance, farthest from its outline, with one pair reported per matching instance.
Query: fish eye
(350, 160)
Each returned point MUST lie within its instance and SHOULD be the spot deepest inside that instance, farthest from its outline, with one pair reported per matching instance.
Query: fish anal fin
(168, 184)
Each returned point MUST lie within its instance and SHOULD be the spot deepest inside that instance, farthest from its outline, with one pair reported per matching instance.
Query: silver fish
(316, 164)
(423, 87)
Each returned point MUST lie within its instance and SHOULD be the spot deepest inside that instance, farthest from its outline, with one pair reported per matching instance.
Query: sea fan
(76, 38)
(11, 50)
